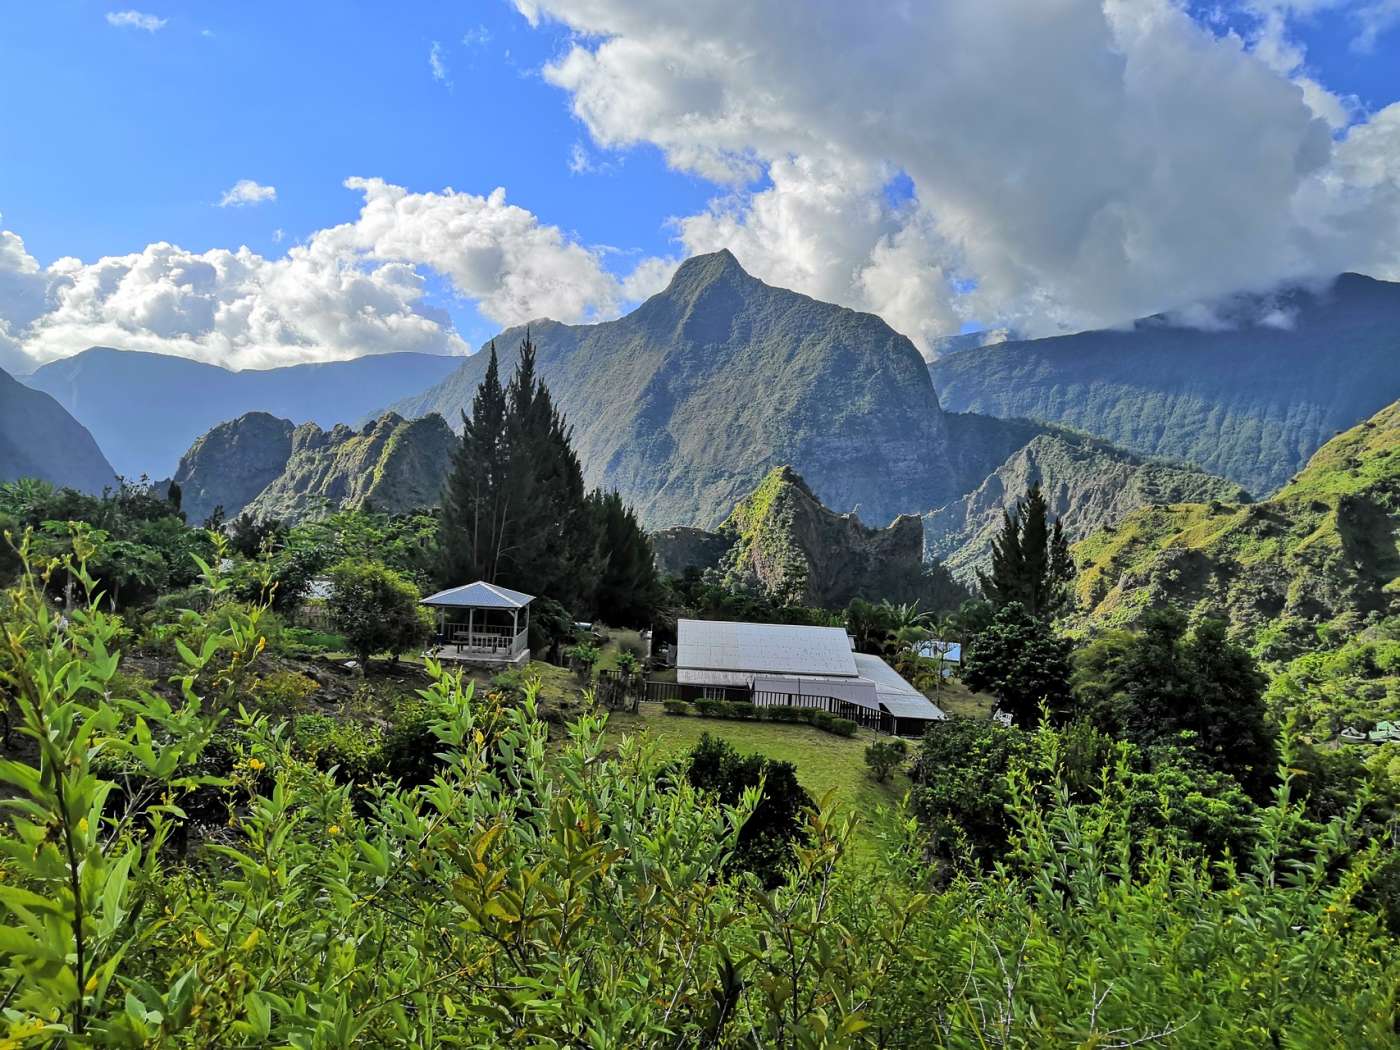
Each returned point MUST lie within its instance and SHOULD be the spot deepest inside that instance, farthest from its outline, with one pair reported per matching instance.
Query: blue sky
(123, 132)
(130, 137)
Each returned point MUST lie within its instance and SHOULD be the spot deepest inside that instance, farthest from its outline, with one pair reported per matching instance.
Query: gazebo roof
(479, 595)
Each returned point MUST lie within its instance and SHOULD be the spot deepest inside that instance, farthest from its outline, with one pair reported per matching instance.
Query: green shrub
(676, 707)
(410, 751)
(842, 727)
(789, 714)
(283, 691)
(351, 749)
(709, 708)
(885, 756)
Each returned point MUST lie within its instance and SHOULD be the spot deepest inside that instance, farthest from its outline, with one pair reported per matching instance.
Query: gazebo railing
(476, 638)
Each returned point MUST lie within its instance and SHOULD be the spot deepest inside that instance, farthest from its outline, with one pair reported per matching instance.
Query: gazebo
(482, 623)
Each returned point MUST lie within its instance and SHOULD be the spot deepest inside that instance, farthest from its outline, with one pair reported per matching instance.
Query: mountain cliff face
(38, 439)
(1088, 484)
(1248, 400)
(1321, 553)
(144, 408)
(685, 404)
(269, 468)
(781, 541)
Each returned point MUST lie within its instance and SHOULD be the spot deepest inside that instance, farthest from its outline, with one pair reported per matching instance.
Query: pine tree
(1031, 564)
(475, 505)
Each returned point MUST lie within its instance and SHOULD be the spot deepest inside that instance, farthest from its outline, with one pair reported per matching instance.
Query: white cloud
(245, 192)
(135, 20)
(438, 65)
(1075, 163)
(349, 290)
(478, 37)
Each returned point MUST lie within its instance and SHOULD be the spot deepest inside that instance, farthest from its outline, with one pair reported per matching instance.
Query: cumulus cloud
(245, 192)
(351, 289)
(135, 20)
(1072, 163)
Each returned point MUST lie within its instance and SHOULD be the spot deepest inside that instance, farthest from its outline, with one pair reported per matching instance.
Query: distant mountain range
(38, 439)
(1250, 397)
(145, 409)
(270, 468)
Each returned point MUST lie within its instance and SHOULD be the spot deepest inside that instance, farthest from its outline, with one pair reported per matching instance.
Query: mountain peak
(700, 270)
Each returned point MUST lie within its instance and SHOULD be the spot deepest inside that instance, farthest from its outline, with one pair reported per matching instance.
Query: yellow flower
(83, 826)
(334, 829)
(478, 738)
(256, 763)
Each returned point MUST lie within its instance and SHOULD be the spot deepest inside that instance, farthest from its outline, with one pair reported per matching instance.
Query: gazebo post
(470, 611)
(514, 628)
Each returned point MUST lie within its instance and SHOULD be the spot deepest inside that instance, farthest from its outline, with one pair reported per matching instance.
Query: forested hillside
(1323, 554)
(1089, 484)
(38, 439)
(1249, 397)
(268, 468)
(781, 542)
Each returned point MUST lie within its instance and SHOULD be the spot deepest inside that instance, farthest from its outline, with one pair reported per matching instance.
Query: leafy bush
(709, 708)
(843, 727)
(283, 692)
(676, 707)
(352, 750)
(884, 757)
(410, 749)
(376, 609)
(775, 826)
(583, 657)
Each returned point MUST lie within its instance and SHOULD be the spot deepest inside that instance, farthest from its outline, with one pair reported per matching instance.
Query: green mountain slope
(1320, 556)
(38, 439)
(1089, 484)
(685, 404)
(1249, 401)
(144, 408)
(780, 541)
(269, 468)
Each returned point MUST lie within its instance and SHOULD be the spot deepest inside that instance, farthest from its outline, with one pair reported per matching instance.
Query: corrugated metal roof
(896, 695)
(763, 648)
(480, 595)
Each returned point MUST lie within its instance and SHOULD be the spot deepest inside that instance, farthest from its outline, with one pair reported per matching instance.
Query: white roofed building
(783, 664)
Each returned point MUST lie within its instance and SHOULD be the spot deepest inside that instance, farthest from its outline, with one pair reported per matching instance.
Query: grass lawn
(958, 700)
(825, 762)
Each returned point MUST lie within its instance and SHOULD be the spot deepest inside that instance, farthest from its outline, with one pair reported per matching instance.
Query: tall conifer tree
(1031, 563)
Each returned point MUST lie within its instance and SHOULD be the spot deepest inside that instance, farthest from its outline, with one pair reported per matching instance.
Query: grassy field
(825, 762)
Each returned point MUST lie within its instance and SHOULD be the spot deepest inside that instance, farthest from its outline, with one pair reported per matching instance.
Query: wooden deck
(484, 657)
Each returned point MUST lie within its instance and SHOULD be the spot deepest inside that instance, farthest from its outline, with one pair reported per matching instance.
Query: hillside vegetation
(1320, 555)
(38, 439)
(271, 469)
(1088, 484)
(781, 542)
(685, 404)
